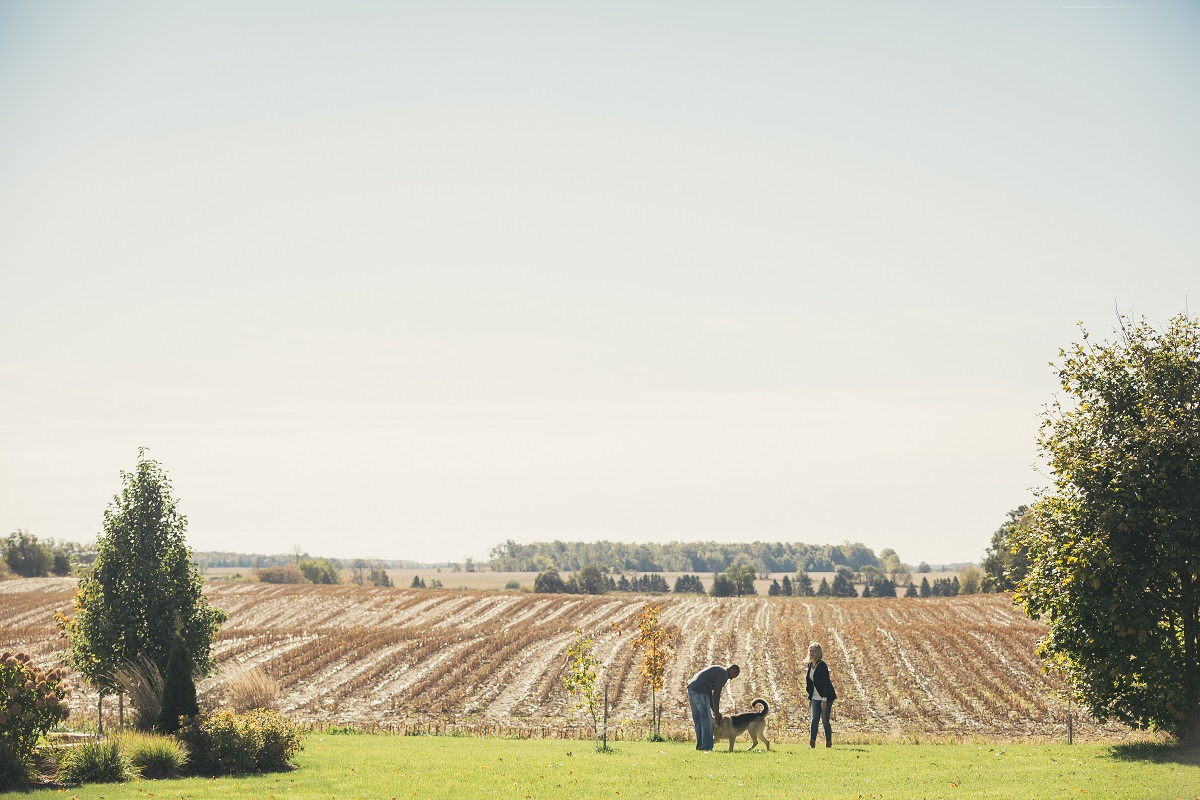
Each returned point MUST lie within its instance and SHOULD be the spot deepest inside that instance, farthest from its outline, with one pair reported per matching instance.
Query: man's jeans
(702, 718)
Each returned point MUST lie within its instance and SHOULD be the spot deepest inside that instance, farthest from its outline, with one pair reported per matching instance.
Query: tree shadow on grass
(1157, 753)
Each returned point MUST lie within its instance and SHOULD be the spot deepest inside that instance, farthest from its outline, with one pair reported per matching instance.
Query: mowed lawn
(381, 766)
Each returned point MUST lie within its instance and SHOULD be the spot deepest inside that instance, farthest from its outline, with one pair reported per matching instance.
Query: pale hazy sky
(406, 280)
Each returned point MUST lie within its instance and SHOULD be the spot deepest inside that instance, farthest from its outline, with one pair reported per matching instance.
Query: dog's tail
(760, 702)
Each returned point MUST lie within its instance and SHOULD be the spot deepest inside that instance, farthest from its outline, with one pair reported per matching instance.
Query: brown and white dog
(731, 727)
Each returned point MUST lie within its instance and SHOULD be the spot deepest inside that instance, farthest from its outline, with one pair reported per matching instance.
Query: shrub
(277, 574)
(98, 761)
(252, 689)
(31, 702)
(155, 755)
(229, 742)
(512, 586)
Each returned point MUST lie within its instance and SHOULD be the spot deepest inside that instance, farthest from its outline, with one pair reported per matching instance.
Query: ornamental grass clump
(32, 701)
(98, 761)
(154, 755)
(252, 689)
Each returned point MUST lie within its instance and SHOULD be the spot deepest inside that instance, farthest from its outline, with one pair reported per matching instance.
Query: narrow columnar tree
(143, 587)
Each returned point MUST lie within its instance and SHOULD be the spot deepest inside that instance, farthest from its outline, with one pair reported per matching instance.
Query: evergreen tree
(803, 585)
(926, 591)
(179, 688)
(786, 586)
(842, 586)
(823, 589)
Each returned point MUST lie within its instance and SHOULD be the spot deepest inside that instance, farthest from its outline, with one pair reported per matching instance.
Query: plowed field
(494, 660)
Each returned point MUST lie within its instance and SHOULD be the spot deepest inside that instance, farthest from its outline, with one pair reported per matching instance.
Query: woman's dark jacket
(824, 686)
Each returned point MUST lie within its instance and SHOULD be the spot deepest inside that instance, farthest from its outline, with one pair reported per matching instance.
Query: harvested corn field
(394, 658)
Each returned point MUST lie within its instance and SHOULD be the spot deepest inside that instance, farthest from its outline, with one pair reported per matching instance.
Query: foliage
(31, 702)
(843, 585)
(741, 579)
(320, 570)
(823, 590)
(1114, 545)
(883, 587)
(588, 580)
(721, 586)
(549, 582)
(693, 557)
(1006, 561)
(229, 742)
(25, 555)
(802, 586)
(279, 574)
(417, 582)
(154, 755)
(582, 678)
(512, 586)
(179, 688)
(377, 576)
(29, 557)
(143, 586)
(689, 584)
(941, 587)
(143, 682)
(98, 761)
(970, 580)
(652, 583)
(657, 645)
(252, 689)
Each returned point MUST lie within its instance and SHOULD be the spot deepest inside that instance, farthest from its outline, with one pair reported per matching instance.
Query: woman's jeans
(817, 717)
(702, 718)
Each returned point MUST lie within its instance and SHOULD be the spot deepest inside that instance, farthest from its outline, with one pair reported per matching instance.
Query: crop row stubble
(387, 657)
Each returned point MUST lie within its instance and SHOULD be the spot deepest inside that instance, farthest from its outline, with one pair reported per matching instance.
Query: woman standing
(820, 692)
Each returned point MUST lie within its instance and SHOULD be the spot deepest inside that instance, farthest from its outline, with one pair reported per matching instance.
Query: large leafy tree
(1114, 544)
(143, 588)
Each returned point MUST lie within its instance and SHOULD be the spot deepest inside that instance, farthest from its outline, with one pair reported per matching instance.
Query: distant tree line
(690, 557)
(215, 559)
(26, 556)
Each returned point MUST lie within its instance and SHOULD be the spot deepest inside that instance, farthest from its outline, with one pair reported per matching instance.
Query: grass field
(374, 766)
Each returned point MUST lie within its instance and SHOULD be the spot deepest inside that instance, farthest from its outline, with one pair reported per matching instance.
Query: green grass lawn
(380, 766)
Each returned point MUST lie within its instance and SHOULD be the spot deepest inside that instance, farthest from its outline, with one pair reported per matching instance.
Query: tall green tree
(1114, 544)
(143, 587)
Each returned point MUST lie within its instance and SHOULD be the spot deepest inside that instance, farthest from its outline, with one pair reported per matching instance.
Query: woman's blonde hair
(814, 647)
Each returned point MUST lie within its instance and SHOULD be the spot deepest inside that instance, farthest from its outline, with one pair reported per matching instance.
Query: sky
(406, 280)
